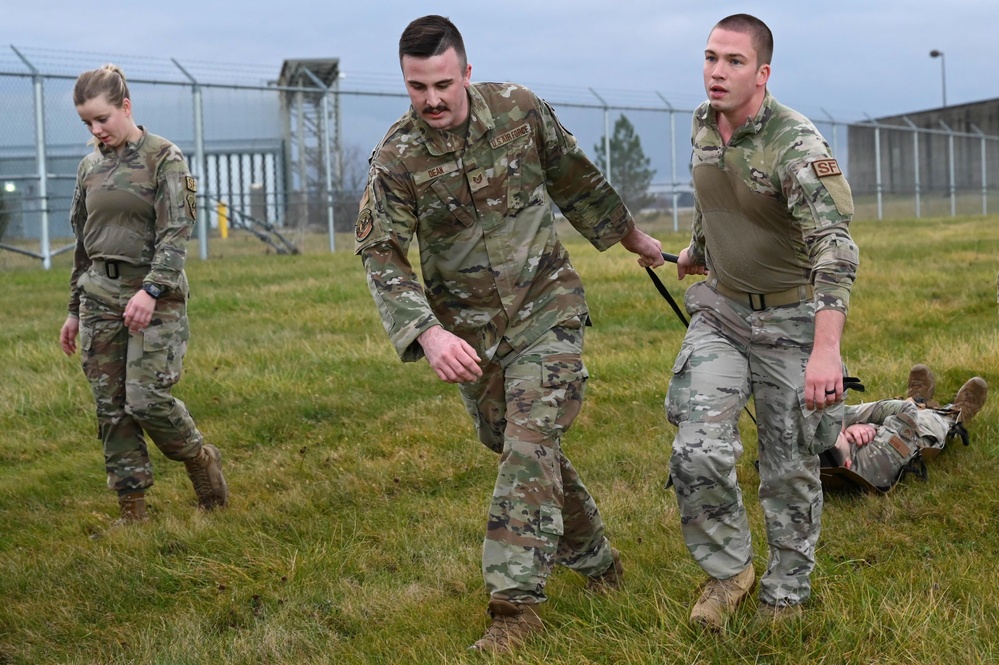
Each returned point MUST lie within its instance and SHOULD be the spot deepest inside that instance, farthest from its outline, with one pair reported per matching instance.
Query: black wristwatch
(155, 290)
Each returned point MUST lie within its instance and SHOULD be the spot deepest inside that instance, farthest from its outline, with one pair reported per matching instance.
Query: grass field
(359, 490)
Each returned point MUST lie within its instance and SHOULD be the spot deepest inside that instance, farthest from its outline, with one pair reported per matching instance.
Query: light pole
(943, 72)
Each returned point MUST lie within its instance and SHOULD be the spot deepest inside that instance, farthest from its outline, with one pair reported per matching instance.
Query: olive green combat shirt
(137, 208)
(772, 208)
(480, 206)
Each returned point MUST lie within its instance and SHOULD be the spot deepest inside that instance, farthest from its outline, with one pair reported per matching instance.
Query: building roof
(293, 72)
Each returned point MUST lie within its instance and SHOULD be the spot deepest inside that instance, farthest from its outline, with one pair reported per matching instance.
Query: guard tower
(310, 114)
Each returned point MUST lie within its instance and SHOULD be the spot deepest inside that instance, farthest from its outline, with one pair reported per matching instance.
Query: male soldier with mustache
(471, 172)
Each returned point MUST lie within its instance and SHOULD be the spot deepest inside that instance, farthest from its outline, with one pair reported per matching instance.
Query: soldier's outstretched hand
(649, 250)
(451, 357)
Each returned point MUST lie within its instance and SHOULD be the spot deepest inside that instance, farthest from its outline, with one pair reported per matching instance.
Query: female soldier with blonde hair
(132, 214)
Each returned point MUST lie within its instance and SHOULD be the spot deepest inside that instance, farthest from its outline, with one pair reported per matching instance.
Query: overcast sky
(848, 57)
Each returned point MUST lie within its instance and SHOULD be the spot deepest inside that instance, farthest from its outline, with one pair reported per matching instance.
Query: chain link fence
(283, 153)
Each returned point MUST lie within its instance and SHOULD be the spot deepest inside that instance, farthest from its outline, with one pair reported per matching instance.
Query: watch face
(152, 289)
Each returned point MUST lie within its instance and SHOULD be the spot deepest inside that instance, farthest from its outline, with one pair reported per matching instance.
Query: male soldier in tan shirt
(771, 225)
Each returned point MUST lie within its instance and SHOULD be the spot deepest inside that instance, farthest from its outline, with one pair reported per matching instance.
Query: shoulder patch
(363, 226)
(825, 168)
(190, 183)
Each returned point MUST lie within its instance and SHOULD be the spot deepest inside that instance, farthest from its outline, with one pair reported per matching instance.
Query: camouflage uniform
(497, 276)
(132, 216)
(902, 429)
(771, 217)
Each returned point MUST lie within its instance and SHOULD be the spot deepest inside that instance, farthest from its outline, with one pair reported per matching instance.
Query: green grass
(359, 490)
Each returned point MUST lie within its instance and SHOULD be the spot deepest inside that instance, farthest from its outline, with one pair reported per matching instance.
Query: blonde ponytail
(109, 81)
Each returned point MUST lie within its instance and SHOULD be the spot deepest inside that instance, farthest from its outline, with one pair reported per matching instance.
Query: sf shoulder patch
(825, 168)
(362, 228)
(190, 183)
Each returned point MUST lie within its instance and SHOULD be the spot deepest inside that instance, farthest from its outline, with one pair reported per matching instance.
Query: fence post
(607, 153)
(985, 187)
(672, 164)
(199, 159)
(325, 128)
(43, 177)
(950, 167)
(915, 160)
(877, 164)
(338, 133)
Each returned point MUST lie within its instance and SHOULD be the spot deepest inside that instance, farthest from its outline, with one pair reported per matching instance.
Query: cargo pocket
(678, 395)
(561, 393)
(163, 348)
(551, 520)
(819, 428)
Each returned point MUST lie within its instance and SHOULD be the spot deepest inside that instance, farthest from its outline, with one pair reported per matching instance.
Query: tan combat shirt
(137, 208)
(772, 209)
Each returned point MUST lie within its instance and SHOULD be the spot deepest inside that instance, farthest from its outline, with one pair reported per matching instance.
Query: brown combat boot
(720, 599)
(773, 614)
(133, 507)
(512, 623)
(205, 471)
(922, 384)
(970, 399)
(610, 579)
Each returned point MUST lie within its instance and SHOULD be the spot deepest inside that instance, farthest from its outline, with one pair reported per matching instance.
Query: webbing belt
(761, 301)
(115, 269)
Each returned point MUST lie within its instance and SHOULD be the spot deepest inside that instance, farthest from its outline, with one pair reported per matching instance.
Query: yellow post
(223, 211)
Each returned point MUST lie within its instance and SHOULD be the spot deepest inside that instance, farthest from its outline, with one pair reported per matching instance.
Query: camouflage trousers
(541, 513)
(131, 375)
(729, 353)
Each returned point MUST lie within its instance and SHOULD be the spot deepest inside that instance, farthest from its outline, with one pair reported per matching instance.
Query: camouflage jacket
(480, 207)
(895, 444)
(772, 208)
(137, 208)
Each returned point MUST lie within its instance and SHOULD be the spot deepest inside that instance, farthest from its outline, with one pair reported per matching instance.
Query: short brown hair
(109, 80)
(429, 36)
(759, 33)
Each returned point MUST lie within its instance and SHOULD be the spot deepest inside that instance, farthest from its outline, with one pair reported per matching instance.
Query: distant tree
(630, 172)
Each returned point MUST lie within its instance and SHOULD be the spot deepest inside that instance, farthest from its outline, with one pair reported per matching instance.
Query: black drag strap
(852, 383)
(664, 292)
(958, 430)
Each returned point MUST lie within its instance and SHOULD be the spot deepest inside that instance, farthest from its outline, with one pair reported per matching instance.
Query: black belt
(115, 269)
